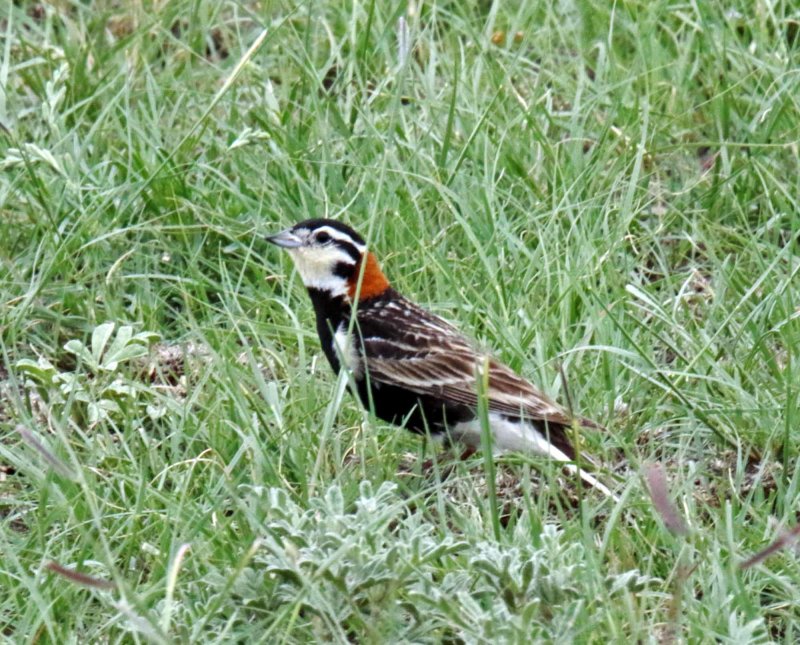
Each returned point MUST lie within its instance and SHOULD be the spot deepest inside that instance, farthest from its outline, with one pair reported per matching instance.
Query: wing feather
(409, 347)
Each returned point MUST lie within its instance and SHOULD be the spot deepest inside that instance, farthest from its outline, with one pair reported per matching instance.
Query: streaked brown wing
(409, 347)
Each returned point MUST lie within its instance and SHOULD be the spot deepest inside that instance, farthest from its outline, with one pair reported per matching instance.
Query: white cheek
(316, 268)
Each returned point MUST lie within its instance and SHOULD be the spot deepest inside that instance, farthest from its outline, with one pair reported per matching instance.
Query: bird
(410, 367)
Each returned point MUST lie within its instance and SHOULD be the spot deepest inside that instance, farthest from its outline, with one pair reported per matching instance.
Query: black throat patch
(331, 311)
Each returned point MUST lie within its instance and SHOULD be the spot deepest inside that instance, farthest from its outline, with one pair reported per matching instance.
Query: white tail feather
(591, 480)
(516, 436)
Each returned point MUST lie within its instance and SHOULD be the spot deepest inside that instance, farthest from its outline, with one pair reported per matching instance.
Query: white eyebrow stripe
(336, 234)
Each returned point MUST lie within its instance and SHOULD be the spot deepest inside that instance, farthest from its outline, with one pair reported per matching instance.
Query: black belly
(420, 414)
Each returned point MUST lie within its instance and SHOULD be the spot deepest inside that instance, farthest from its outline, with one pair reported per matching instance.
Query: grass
(610, 189)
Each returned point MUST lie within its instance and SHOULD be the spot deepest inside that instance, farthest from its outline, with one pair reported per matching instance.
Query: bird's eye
(322, 237)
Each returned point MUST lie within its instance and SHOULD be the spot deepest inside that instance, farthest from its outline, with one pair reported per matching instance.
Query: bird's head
(333, 258)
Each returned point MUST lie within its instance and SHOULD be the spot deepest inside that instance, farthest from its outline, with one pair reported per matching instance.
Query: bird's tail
(527, 438)
(591, 480)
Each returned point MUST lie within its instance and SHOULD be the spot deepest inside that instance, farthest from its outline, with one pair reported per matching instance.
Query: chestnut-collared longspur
(411, 367)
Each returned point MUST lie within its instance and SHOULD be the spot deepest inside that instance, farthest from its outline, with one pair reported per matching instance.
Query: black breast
(331, 311)
(421, 414)
(398, 405)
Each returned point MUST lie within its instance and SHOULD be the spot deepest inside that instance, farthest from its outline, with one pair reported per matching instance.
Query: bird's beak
(285, 239)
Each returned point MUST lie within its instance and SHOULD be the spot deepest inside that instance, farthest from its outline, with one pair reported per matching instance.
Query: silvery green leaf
(126, 346)
(114, 357)
(121, 339)
(155, 411)
(120, 390)
(146, 337)
(77, 348)
(631, 580)
(100, 336)
(41, 370)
